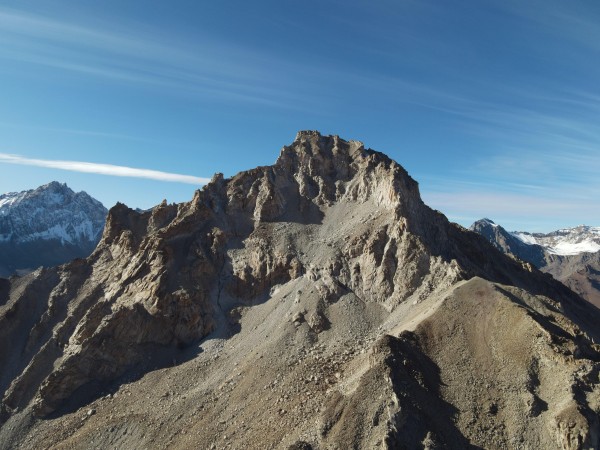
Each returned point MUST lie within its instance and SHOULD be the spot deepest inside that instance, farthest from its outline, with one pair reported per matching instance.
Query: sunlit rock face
(314, 303)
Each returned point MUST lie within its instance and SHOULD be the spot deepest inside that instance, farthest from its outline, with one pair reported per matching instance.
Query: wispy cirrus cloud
(92, 133)
(103, 169)
(210, 69)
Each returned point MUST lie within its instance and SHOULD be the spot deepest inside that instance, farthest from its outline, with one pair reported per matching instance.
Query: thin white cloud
(103, 169)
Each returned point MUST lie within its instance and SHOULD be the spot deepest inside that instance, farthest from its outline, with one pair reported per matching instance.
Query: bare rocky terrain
(313, 304)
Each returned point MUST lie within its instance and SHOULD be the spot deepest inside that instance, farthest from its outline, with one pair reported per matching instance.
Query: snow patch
(526, 238)
(7, 200)
(574, 248)
(566, 241)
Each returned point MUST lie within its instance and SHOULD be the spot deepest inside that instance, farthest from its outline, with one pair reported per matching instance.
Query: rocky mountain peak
(54, 193)
(287, 279)
(328, 169)
(54, 186)
(312, 146)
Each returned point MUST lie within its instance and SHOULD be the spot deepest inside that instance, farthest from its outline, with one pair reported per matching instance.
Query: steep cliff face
(47, 226)
(319, 288)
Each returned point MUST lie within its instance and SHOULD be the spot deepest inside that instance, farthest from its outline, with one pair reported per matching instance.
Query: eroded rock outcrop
(324, 289)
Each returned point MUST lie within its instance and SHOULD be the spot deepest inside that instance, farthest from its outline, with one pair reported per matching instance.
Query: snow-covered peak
(566, 241)
(52, 193)
(51, 212)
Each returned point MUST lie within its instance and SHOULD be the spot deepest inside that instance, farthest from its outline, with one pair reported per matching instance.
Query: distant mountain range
(47, 226)
(571, 255)
(567, 241)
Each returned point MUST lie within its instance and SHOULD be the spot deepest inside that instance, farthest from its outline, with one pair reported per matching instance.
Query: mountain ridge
(565, 241)
(312, 303)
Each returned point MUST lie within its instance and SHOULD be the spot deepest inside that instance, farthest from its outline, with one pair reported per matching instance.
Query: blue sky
(493, 107)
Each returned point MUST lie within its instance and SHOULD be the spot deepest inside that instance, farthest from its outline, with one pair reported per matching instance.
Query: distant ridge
(571, 255)
(566, 241)
(47, 226)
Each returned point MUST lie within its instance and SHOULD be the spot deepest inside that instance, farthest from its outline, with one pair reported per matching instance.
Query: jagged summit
(313, 303)
(315, 142)
(304, 135)
(54, 186)
(53, 191)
